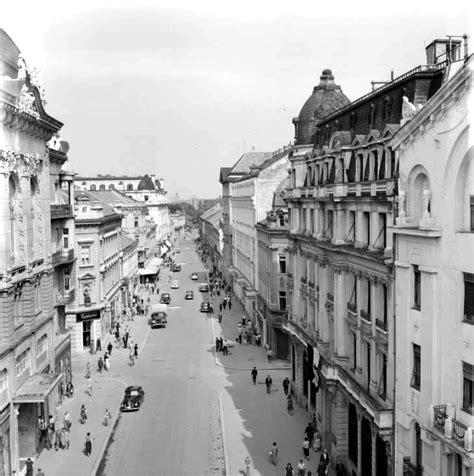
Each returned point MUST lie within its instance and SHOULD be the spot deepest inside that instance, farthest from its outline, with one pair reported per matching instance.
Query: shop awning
(155, 262)
(37, 388)
(147, 271)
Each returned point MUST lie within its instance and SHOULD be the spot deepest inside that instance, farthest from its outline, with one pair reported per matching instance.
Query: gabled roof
(127, 242)
(250, 159)
(213, 216)
(114, 196)
(84, 195)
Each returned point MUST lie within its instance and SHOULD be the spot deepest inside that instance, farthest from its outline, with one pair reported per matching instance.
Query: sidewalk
(251, 419)
(107, 392)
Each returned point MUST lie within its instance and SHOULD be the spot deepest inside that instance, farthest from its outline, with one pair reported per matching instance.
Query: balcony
(62, 256)
(365, 315)
(351, 314)
(61, 211)
(303, 280)
(410, 469)
(330, 297)
(64, 298)
(382, 325)
(311, 284)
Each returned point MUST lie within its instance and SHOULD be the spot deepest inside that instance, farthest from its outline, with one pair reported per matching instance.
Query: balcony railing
(365, 315)
(410, 469)
(303, 280)
(65, 297)
(440, 415)
(330, 297)
(459, 430)
(443, 420)
(381, 324)
(61, 211)
(62, 256)
(352, 307)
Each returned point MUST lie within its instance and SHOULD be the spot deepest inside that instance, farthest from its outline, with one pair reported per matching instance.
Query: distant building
(211, 236)
(434, 275)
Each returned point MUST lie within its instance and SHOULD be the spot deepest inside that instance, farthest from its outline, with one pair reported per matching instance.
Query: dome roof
(146, 183)
(327, 97)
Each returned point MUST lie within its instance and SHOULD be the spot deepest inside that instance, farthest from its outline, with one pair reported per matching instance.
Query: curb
(224, 441)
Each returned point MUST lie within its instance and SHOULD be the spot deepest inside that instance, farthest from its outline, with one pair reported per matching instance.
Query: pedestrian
(64, 439)
(221, 344)
(258, 339)
(224, 303)
(29, 467)
(340, 470)
(88, 445)
(289, 470)
(67, 421)
(131, 358)
(316, 440)
(51, 422)
(325, 459)
(100, 364)
(88, 370)
(135, 350)
(220, 317)
(289, 405)
(322, 469)
(247, 465)
(240, 337)
(70, 389)
(306, 447)
(309, 432)
(89, 386)
(274, 453)
(254, 375)
(217, 344)
(41, 429)
(301, 468)
(268, 383)
(106, 361)
(225, 348)
(244, 321)
(109, 348)
(49, 438)
(220, 307)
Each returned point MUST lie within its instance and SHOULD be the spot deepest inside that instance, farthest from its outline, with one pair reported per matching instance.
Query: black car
(133, 399)
(176, 267)
(165, 298)
(189, 295)
(205, 306)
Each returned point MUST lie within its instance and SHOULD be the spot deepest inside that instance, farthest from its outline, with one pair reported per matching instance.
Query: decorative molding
(24, 165)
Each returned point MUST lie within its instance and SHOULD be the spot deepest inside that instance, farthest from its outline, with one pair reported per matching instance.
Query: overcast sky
(182, 88)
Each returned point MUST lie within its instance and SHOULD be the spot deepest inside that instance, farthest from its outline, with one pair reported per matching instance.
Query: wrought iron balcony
(352, 307)
(365, 315)
(410, 469)
(311, 284)
(62, 256)
(381, 324)
(59, 211)
(330, 297)
(65, 297)
(303, 280)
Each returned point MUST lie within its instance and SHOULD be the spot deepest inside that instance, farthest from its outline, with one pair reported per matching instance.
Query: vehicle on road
(175, 284)
(159, 316)
(204, 287)
(176, 267)
(165, 298)
(194, 276)
(177, 250)
(205, 306)
(189, 295)
(132, 399)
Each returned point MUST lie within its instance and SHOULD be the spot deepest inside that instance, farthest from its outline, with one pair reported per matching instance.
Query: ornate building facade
(434, 275)
(27, 299)
(212, 236)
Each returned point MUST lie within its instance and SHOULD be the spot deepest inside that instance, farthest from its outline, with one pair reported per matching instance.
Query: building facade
(434, 294)
(28, 381)
(212, 240)
(273, 250)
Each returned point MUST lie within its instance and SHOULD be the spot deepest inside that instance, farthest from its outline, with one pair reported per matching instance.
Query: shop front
(5, 462)
(86, 328)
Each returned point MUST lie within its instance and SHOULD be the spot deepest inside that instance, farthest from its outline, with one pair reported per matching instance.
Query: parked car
(165, 298)
(176, 267)
(159, 317)
(194, 276)
(189, 295)
(204, 287)
(205, 306)
(133, 399)
(175, 284)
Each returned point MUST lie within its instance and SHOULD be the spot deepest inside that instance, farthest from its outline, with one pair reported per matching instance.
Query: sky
(181, 88)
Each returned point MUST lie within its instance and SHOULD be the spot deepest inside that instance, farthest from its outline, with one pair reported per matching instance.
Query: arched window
(353, 434)
(130, 186)
(18, 308)
(419, 200)
(102, 187)
(12, 205)
(30, 222)
(464, 195)
(111, 186)
(387, 108)
(371, 115)
(93, 188)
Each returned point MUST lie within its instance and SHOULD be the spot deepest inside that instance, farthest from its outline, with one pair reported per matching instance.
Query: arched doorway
(381, 457)
(353, 434)
(366, 448)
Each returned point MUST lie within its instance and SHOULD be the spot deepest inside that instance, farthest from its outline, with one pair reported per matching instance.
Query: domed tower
(327, 97)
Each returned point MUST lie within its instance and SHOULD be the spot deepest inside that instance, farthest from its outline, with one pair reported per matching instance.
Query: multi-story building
(254, 178)
(27, 300)
(226, 223)
(273, 250)
(178, 223)
(146, 189)
(212, 236)
(101, 289)
(434, 295)
(341, 204)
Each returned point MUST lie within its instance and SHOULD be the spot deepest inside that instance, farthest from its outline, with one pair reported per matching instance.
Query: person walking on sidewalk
(225, 349)
(100, 364)
(29, 467)
(254, 375)
(89, 386)
(135, 350)
(220, 317)
(106, 361)
(268, 383)
(88, 445)
(109, 348)
(301, 467)
(230, 304)
(286, 385)
(274, 453)
(289, 405)
(309, 432)
(306, 448)
(248, 462)
(64, 439)
(289, 470)
(340, 470)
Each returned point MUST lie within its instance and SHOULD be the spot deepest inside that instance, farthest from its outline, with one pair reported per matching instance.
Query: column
(374, 230)
(339, 231)
(340, 313)
(315, 212)
(323, 290)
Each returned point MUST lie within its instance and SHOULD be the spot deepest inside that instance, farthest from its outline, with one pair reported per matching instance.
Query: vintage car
(176, 267)
(194, 276)
(204, 287)
(189, 295)
(158, 317)
(205, 306)
(132, 399)
(165, 298)
(175, 284)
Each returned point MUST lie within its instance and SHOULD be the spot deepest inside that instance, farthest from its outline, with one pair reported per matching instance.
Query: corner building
(434, 274)
(340, 277)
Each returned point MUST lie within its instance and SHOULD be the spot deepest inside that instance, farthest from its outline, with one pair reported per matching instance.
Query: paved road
(177, 431)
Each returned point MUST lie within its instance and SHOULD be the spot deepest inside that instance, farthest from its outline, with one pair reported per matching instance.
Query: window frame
(83, 255)
(416, 287)
(282, 296)
(282, 264)
(415, 381)
(468, 278)
(468, 390)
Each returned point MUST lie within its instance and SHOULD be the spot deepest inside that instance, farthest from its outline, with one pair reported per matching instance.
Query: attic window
(371, 115)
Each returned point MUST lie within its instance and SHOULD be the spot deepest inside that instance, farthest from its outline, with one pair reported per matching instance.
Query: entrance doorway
(366, 450)
(86, 333)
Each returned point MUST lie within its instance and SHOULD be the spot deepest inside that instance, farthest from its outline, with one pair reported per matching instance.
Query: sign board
(88, 315)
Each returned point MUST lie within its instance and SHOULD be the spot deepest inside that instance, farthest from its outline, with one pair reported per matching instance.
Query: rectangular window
(136, 222)
(416, 287)
(85, 255)
(469, 298)
(67, 279)
(354, 351)
(42, 345)
(385, 303)
(282, 300)
(382, 391)
(468, 388)
(3, 381)
(366, 229)
(66, 238)
(368, 358)
(282, 264)
(21, 363)
(330, 227)
(416, 372)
